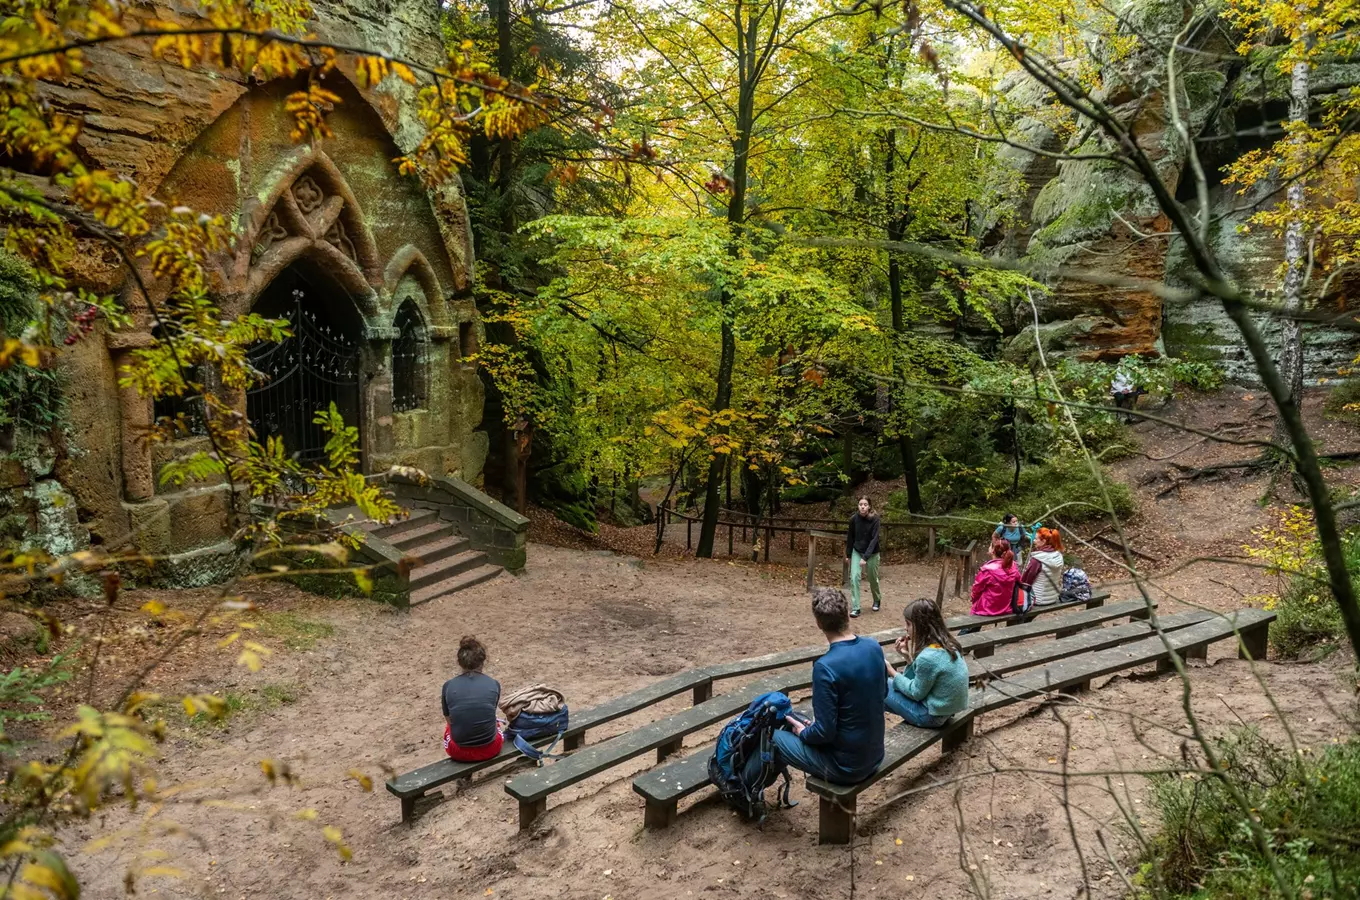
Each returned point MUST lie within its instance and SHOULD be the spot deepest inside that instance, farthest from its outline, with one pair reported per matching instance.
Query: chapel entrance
(319, 364)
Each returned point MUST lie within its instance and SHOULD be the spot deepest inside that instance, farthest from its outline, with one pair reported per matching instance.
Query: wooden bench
(532, 789)
(664, 788)
(413, 785)
(904, 742)
(984, 643)
(1098, 598)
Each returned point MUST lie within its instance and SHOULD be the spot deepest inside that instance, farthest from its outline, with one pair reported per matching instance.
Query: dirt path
(597, 624)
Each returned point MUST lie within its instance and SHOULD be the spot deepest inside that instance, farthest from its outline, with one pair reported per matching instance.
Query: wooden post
(812, 559)
(529, 810)
(703, 692)
(659, 814)
(668, 749)
(930, 542)
(957, 737)
(574, 741)
(408, 808)
(689, 533)
(729, 538)
(791, 534)
(769, 537)
(835, 821)
(1254, 642)
(944, 573)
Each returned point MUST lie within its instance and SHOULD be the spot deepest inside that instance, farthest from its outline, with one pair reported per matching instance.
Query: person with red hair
(1048, 553)
(994, 586)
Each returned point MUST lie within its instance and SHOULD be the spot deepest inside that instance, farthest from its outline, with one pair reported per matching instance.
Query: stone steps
(448, 563)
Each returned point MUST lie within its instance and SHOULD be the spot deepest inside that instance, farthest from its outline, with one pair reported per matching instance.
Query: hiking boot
(854, 614)
(875, 607)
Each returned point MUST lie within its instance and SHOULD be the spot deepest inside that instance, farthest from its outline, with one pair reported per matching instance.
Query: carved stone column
(135, 413)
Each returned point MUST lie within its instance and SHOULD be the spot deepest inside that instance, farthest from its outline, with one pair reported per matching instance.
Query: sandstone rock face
(1097, 214)
(337, 211)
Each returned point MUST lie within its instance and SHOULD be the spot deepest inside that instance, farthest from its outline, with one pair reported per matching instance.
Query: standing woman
(861, 552)
(1048, 552)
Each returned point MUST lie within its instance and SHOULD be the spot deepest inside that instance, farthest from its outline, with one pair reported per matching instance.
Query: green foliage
(30, 396)
(1305, 802)
(977, 497)
(294, 631)
(1308, 620)
(22, 689)
(1343, 401)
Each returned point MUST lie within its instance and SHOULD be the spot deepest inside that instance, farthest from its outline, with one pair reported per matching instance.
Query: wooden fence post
(812, 559)
(930, 542)
(729, 538)
(689, 533)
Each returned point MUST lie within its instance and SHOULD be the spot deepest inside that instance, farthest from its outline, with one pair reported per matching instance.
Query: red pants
(472, 754)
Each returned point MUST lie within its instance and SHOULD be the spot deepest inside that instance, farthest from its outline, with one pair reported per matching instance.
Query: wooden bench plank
(984, 643)
(664, 788)
(1098, 598)
(412, 785)
(532, 789)
(906, 742)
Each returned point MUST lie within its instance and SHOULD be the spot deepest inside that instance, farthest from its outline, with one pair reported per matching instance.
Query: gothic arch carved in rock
(311, 213)
(409, 261)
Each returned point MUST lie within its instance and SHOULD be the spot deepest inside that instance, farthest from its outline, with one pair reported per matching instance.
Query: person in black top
(861, 552)
(472, 732)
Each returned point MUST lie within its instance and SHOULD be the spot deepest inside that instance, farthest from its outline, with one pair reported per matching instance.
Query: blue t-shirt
(1011, 533)
(848, 684)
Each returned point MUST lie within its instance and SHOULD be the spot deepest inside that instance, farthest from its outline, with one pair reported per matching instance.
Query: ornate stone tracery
(308, 194)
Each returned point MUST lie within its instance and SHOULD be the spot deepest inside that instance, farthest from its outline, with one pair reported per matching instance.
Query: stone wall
(216, 144)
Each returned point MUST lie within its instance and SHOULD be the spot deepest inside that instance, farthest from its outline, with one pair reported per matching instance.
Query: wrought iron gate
(317, 365)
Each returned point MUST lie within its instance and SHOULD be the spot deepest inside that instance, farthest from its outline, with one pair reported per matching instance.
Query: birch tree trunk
(1295, 248)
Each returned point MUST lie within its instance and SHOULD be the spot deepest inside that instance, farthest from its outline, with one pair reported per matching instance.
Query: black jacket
(862, 535)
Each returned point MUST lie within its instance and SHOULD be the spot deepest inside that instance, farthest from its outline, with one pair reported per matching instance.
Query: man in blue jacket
(844, 742)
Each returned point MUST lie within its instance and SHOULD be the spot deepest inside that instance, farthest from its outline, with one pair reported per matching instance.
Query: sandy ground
(596, 624)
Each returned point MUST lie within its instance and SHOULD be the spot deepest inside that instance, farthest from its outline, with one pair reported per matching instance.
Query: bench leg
(984, 652)
(703, 692)
(659, 814)
(957, 737)
(1094, 602)
(408, 808)
(529, 810)
(1073, 689)
(668, 749)
(574, 741)
(1143, 614)
(1254, 642)
(1199, 651)
(835, 821)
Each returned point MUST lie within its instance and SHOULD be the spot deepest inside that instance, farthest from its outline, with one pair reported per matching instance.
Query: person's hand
(863, 563)
(891, 671)
(847, 559)
(900, 645)
(796, 725)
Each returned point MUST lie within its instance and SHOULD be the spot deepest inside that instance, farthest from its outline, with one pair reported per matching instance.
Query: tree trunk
(906, 441)
(736, 218)
(1295, 253)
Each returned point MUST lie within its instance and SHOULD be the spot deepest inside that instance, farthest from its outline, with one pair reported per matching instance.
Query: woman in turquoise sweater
(934, 685)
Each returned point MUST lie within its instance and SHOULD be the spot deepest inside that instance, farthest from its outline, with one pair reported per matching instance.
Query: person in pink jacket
(995, 583)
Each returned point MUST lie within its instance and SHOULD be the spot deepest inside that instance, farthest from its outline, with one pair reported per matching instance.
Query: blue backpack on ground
(541, 713)
(743, 763)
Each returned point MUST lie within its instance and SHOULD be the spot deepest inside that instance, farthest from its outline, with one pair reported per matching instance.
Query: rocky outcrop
(369, 239)
(1099, 214)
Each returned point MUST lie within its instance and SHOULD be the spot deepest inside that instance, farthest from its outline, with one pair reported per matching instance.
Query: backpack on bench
(533, 713)
(743, 763)
(1075, 586)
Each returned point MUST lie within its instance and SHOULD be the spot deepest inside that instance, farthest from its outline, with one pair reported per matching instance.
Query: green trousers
(872, 568)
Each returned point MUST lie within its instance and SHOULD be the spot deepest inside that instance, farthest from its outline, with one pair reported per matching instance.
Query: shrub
(1063, 487)
(1305, 804)
(1343, 395)
(1308, 619)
